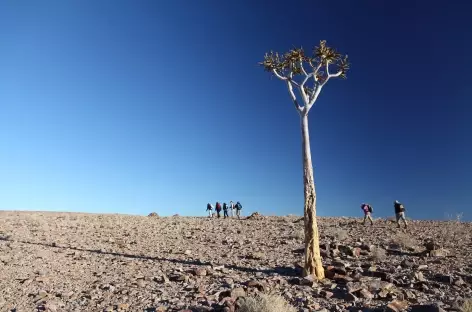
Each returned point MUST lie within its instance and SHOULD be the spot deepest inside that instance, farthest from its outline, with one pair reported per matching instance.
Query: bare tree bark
(287, 67)
(313, 265)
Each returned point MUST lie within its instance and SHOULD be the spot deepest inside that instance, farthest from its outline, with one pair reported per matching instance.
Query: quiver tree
(325, 63)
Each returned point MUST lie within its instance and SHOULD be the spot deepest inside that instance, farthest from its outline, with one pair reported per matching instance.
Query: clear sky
(140, 106)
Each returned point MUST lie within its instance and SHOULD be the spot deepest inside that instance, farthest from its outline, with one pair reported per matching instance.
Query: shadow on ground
(283, 271)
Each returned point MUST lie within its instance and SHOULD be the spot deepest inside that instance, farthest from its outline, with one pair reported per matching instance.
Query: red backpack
(218, 206)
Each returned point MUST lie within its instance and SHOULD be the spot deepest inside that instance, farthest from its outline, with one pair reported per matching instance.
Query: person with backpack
(367, 209)
(225, 210)
(218, 209)
(231, 207)
(209, 209)
(238, 209)
(400, 213)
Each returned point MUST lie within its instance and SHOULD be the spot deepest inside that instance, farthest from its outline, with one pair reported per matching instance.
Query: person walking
(231, 207)
(238, 209)
(400, 213)
(218, 209)
(209, 209)
(367, 209)
(225, 210)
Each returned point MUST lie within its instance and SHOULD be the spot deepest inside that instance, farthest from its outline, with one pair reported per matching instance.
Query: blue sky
(140, 106)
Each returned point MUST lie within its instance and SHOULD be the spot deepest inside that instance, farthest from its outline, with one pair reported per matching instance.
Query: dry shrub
(450, 232)
(379, 254)
(339, 234)
(405, 241)
(264, 303)
(298, 234)
(467, 306)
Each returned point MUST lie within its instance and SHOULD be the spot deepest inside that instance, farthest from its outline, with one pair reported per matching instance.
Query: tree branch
(339, 73)
(278, 75)
(301, 87)
(316, 71)
(306, 79)
(294, 98)
(303, 68)
(316, 93)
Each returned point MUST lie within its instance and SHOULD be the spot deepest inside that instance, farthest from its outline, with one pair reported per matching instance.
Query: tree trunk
(313, 265)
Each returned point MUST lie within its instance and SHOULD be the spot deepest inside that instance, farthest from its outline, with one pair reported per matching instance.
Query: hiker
(238, 209)
(209, 209)
(231, 207)
(400, 213)
(367, 213)
(218, 209)
(225, 210)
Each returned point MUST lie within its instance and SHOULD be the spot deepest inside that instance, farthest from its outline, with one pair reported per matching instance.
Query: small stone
(419, 276)
(407, 263)
(51, 306)
(383, 293)
(459, 282)
(178, 278)
(238, 292)
(188, 252)
(409, 294)
(257, 256)
(309, 280)
(397, 306)
(41, 279)
(422, 267)
(200, 272)
(372, 268)
(354, 287)
(108, 309)
(123, 306)
(327, 294)
(260, 286)
(42, 294)
(438, 253)
(364, 293)
(356, 252)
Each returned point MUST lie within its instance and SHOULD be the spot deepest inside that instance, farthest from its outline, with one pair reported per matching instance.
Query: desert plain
(51, 261)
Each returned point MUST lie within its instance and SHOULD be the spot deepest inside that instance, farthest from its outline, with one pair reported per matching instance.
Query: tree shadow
(280, 270)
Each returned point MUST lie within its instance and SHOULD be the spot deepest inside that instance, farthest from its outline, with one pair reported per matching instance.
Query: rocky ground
(91, 262)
